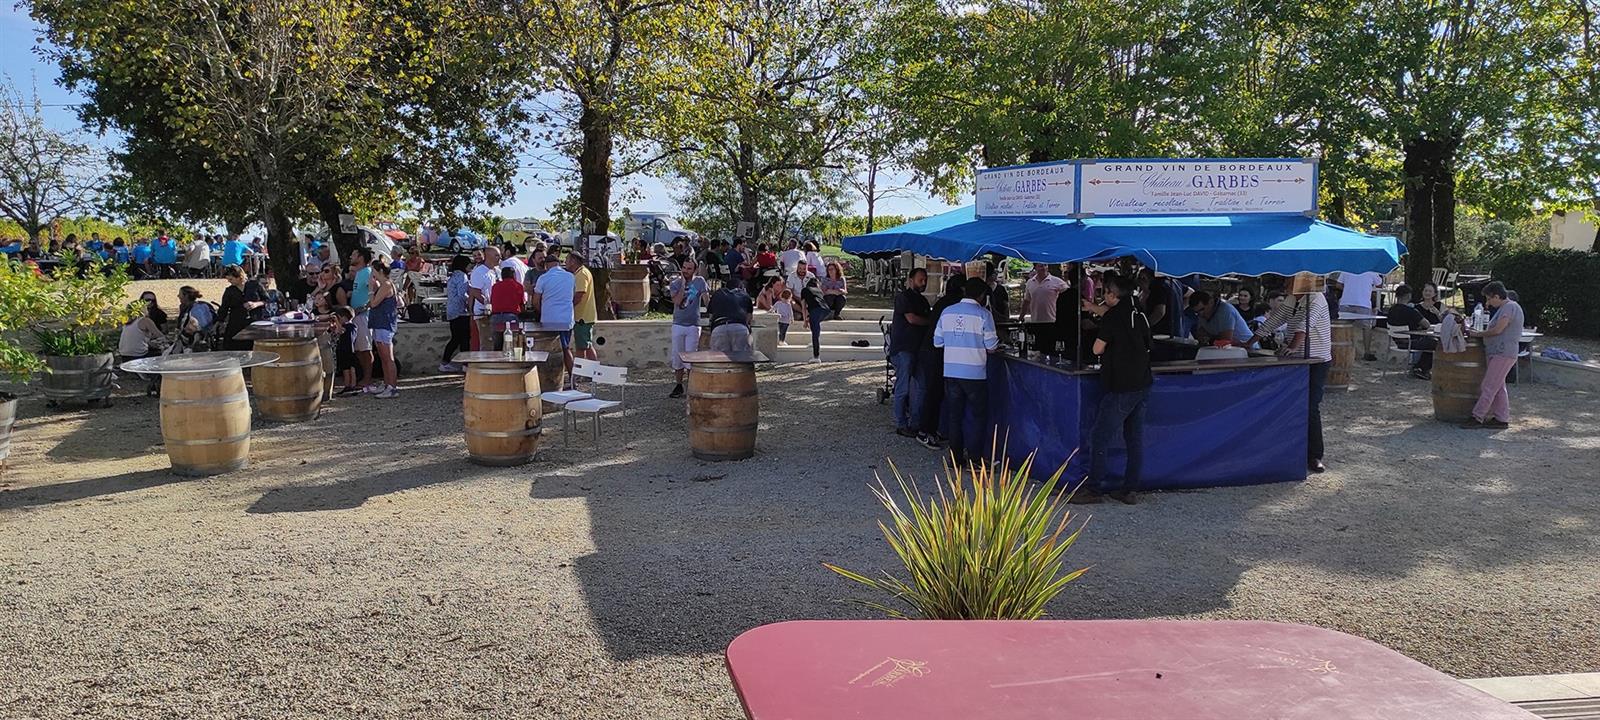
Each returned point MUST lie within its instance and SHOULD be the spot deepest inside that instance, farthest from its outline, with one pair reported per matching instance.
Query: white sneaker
(816, 360)
(388, 393)
(372, 390)
(783, 343)
(446, 368)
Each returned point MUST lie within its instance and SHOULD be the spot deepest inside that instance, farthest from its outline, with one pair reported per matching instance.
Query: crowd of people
(161, 256)
(939, 351)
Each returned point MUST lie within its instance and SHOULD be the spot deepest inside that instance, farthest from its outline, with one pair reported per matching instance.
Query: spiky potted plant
(73, 330)
(987, 546)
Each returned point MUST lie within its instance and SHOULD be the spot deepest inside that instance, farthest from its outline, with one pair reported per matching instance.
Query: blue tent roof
(1174, 245)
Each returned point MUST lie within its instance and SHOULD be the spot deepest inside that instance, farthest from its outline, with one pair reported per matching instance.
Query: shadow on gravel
(85, 489)
(684, 562)
(348, 494)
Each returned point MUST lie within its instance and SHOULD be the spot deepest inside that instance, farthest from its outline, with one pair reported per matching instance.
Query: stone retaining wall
(632, 343)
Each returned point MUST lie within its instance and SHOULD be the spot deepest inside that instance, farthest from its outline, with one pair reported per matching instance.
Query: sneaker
(1493, 424)
(816, 360)
(348, 390)
(387, 393)
(1316, 466)
(783, 343)
(372, 389)
(447, 368)
(1421, 374)
(930, 442)
(677, 391)
(1370, 358)
(1471, 423)
(905, 432)
(1126, 497)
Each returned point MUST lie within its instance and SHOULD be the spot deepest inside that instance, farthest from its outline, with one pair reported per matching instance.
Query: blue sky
(24, 67)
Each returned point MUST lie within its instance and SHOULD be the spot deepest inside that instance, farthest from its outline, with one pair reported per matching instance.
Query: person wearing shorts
(553, 293)
(360, 299)
(584, 312)
(688, 293)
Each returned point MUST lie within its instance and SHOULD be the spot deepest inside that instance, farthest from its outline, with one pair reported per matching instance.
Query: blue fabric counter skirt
(1227, 427)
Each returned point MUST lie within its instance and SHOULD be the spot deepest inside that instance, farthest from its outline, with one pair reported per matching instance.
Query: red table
(1087, 670)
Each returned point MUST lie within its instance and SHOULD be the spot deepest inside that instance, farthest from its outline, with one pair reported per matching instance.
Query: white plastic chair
(596, 406)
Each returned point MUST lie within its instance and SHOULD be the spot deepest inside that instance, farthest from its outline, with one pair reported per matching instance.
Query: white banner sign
(1026, 191)
(1197, 187)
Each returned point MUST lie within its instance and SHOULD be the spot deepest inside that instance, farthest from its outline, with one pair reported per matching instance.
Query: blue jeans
(907, 390)
(1122, 411)
(966, 409)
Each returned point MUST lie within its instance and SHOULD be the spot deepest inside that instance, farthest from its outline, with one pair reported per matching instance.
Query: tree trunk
(283, 253)
(329, 209)
(1339, 210)
(749, 192)
(872, 193)
(594, 194)
(1430, 194)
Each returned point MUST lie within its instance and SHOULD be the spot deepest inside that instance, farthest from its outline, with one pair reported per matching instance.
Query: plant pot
(8, 418)
(78, 378)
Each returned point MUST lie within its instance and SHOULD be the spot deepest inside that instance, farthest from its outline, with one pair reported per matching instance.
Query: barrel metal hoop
(1457, 363)
(224, 400)
(1458, 396)
(722, 368)
(210, 441)
(732, 429)
(504, 433)
(297, 363)
(723, 395)
(498, 371)
(286, 398)
(502, 396)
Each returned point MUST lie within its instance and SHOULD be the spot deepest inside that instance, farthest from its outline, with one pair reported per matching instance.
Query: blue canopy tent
(1181, 245)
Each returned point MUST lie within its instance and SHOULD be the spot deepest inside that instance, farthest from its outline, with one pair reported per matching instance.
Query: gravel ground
(361, 568)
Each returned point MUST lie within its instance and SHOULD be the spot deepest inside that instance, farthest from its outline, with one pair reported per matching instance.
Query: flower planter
(78, 378)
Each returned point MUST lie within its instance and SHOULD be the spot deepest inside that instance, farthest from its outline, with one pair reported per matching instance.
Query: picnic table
(1091, 669)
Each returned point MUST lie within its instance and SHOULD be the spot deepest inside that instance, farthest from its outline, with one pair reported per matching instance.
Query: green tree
(280, 103)
(1451, 85)
(999, 82)
(775, 83)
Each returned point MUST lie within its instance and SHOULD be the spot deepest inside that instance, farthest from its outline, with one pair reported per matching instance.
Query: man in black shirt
(730, 309)
(1405, 316)
(1123, 344)
(907, 331)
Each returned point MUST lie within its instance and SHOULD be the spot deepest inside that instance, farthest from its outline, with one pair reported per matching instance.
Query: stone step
(801, 352)
(851, 313)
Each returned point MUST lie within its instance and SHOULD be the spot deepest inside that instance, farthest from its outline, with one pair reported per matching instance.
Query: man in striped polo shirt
(966, 332)
(1310, 337)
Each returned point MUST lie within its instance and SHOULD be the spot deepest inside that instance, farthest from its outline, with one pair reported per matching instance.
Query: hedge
(1559, 290)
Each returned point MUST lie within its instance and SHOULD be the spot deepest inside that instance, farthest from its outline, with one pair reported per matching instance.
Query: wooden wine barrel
(1456, 377)
(630, 289)
(553, 371)
(1344, 355)
(289, 390)
(205, 421)
(723, 410)
(705, 339)
(502, 412)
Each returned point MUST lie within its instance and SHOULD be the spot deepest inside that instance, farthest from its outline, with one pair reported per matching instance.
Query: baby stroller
(887, 390)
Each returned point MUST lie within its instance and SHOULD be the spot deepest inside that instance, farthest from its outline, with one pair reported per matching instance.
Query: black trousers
(460, 337)
(1319, 381)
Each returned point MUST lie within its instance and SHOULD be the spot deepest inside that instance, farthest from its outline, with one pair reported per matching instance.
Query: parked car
(368, 237)
(520, 232)
(462, 238)
(393, 230)
(656, 227)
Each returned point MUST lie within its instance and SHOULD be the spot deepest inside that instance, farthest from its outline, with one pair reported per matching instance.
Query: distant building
(1571, 231)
